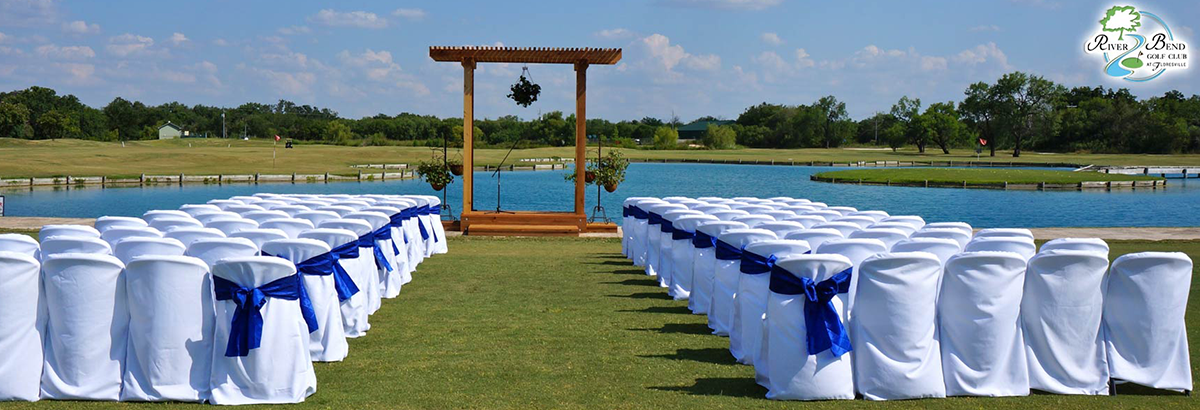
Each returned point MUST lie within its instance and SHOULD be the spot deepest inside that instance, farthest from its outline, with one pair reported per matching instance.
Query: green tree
(665, 137)
(895, 135)
(944, 128)
(14, 120)
(908, 112)
(56, 125)
(1028, 103)
(339, 133)
(719, 137)
(980, 111)
(834, 115)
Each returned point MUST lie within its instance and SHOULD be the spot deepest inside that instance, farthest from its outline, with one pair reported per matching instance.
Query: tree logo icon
(1121, 19)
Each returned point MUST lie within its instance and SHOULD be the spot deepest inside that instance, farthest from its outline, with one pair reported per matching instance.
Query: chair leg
(1112, 387)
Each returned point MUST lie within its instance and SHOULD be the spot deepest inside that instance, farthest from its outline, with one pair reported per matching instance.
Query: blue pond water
(546, 190)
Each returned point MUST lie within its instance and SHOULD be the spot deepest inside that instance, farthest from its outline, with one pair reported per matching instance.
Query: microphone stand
(497, 176)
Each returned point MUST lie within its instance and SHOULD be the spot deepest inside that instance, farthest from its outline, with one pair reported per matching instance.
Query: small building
(170, 131)
(696, 130)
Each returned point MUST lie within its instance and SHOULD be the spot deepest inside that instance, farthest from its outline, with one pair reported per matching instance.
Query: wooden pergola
(533, 222)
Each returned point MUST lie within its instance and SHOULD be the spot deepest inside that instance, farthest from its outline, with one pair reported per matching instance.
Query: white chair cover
(224, 203)
(683, 254)
(782, 228)
(340, 210)
(654, 236)
(263, 216)
(807, 220)
(171, 321)
(1018, 245)
(279, 371)
(825, 214)
(214, 250)
(128, 249)
(666, 260)
(983, 350)
(912, 220)
(962, 226)
(67, 230)
(627, 221)
(856, 250)
(942, 248)
(816, 237)
(230, 225)
(328, 343)
(754, 220)
(745, 339)
(188, 235)
(640, 230)
(354, 309)
(439, 231)
(1144, 306)
(113, 235)
(362, 270)
(846, 228)
(260, 235)
(875, 216)
(888, 236)
(956, 235)
(105, 223)
(793, 373)
(152, 215)
(74, 244)
(1004, 233)
(291, 210)
(727, 274)
(86, 328)
(899, 226)
(703, 264)
(22, 244)
(291, 227)
(844, 210)
(379, 273)
(197, 209)
(168, 223)
(316, 217)
(779, 215)
(241, 209)
(730, 214)
(205, 218)
(1060, 313)
(21, 313)
(1077, 244)
(861, 221)
(894, 328)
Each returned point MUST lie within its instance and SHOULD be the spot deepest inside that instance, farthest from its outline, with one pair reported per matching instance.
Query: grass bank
(49, 158)
(568, 323)
(973, 176)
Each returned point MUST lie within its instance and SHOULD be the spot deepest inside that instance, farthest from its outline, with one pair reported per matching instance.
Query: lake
(546, 190)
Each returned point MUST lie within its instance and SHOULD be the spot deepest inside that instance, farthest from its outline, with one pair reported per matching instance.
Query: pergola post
(580, 133)
(468, 159)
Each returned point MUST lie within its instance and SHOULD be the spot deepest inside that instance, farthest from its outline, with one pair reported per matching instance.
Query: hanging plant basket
(436, 173)
(525, 92)
(610, 187)
(589, 176)
(439, 187)
(456, 169)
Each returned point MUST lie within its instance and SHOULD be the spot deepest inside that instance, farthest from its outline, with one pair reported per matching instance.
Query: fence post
(181, 179)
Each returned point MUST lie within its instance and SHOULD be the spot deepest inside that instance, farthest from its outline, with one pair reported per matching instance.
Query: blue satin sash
(823, 326)
(245, 333)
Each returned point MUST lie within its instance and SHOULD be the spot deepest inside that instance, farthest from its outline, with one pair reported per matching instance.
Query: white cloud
(65, 53)
(289, 83)
(706, 62)
(3, 37)
(128, 44)
(986, 27)
(177, 77)
(410, 14)
(28, 13)
(80, 27)
(930, 63)
(285, 60)
(360, 19)
(220, 42)
(1044, 4)
(614, 34)
(772, 39)
(726, 4)
(78, 74)
(177, 39)
(983, 53)
(294, 30)
(803, 59)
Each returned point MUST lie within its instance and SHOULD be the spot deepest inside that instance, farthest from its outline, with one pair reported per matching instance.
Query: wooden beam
(468, 159)
(580, 133)
(541, 55)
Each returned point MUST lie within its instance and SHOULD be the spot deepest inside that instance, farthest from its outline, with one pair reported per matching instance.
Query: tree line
(1017, 112)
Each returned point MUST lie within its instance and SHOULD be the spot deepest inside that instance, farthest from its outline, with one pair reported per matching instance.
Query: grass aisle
(568, 323)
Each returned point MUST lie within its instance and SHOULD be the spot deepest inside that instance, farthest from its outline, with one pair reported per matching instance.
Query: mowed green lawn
(568, 323)
(48, 158)
(976, 176)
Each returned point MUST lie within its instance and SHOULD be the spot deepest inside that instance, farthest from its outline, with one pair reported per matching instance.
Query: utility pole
(876, 127)
(223, 135)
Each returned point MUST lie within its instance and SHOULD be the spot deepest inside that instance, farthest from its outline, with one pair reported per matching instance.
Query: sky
(685, 58)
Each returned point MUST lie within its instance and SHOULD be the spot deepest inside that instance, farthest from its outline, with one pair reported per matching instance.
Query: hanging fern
(524, 92)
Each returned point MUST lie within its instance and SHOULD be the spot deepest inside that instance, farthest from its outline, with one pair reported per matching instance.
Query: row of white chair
(720, 267)
(148, 304)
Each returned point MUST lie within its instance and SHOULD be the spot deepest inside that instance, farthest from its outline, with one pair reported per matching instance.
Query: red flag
(277, 138)
(981, 141)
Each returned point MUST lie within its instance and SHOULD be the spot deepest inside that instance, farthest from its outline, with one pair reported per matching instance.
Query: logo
(1136, 45)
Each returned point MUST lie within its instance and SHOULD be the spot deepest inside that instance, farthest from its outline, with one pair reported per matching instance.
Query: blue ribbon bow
(327, 264)
(625, 212)
(435, 210)
(397, 221)
(703, 241)
(368, 241)
(655, 219)
(666, 227)
(822, 324)
(245, 332)
(678, 234)
(385, 233)
(754, 264)
(422, 210)
(727, 252)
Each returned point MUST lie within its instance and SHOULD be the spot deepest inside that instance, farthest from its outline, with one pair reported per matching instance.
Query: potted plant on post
(610, 171)
(436, 173)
